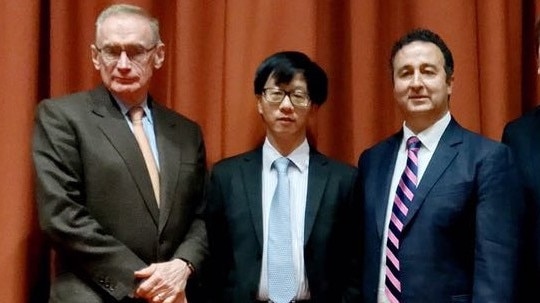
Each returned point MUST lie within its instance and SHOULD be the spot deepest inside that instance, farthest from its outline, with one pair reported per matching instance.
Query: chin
(123, 88)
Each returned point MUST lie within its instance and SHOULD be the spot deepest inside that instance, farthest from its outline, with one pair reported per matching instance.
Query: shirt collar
(430, 136)
(125, 109)
(299, 156)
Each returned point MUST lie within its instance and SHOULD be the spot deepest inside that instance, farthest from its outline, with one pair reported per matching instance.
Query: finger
(161, 298)
(164, 296)
(180, 298)
(148, 288)
(145, 272)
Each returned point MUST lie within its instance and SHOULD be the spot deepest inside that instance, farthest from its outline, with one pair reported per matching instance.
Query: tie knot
(413, 143)
(136, 113)
(281, 165)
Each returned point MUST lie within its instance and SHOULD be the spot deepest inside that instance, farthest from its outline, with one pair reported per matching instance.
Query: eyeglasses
(277, 95)
(135, 53)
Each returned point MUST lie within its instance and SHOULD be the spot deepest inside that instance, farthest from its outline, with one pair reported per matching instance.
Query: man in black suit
(448, 228)
(123, 215)
(289, 88)
(523, 137)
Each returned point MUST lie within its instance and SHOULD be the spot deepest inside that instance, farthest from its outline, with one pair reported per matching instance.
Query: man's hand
(164, 282)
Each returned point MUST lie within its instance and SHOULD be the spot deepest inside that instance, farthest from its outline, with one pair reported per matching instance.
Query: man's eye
(134, 50)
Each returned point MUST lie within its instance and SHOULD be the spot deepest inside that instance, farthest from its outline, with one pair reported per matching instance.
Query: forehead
(418, 53)
(298, 80)
(124, 29)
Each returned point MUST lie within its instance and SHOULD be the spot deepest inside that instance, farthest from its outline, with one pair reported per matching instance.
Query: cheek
(400, 88)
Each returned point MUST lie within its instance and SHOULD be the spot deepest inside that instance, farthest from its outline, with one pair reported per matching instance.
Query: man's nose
(417, 80)
(286, 103)
(123, 60)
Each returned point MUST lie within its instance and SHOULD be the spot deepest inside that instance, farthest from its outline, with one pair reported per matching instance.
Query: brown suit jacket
(95, 198)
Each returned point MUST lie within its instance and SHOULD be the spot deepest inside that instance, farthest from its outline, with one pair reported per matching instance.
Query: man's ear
(159, 56)
(259, 104)
(95, 54)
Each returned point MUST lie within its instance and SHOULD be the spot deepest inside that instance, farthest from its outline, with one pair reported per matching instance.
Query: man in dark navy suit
(448, 229)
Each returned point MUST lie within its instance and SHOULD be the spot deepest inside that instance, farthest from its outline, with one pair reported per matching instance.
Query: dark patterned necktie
(402, 201)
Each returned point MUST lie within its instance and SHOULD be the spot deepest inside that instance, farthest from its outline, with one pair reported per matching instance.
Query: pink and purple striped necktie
(402, 202)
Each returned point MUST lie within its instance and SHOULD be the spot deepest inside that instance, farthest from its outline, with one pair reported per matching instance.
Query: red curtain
(212, 50)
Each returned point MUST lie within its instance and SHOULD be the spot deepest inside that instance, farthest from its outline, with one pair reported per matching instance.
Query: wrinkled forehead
(124, 29)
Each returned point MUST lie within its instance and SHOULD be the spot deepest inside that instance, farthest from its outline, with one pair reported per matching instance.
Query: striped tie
(402, 202)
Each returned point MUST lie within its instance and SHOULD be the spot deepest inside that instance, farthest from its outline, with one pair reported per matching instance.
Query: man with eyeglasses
(262, 253)
(120, 178)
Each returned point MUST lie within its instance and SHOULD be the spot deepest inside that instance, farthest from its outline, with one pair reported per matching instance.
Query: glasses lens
(111, 53)
(136, 52)
(274, 95)
(133, 52)
(299, 98)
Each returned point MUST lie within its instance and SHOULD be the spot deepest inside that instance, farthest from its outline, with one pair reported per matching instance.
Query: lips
(124, 80)
(285, 119)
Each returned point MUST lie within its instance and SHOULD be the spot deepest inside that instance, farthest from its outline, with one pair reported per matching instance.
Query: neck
(419, 123)
(130, 100)
(285, 146)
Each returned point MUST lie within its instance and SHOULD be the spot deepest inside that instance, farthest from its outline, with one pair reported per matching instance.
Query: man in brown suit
(118, 233)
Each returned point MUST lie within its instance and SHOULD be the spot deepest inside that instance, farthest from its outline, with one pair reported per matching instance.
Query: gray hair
(126, 9)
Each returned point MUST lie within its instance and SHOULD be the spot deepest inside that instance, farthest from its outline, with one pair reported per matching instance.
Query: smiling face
(286, 124)
(421, 86)
(127, 78)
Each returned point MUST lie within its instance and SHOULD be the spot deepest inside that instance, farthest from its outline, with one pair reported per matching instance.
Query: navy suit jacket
(95, 197)
(235, 228)
(523, 137)
(460, 240)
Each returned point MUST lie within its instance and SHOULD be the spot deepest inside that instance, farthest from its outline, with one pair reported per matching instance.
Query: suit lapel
(168, 143)
(384, 171)
(442, 157)
(115, 128)
(251, 169)
(317, 179)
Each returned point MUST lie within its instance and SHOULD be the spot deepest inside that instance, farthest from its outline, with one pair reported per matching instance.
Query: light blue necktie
(281, 281)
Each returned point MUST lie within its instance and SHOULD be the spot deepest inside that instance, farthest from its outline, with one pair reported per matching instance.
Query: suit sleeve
(499, 213)
(194, 248)
(60, 194)
(220, 247)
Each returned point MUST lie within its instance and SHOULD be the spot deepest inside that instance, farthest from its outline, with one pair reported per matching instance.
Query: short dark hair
(283, 66)
(425, 35)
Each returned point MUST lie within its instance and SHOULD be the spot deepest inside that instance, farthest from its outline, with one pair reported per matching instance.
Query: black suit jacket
(95, 197)
(235, 228)
(523, 137)
(460, 239)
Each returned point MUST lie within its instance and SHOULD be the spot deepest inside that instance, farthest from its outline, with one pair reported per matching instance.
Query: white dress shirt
(298, 179)
(430, 138)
